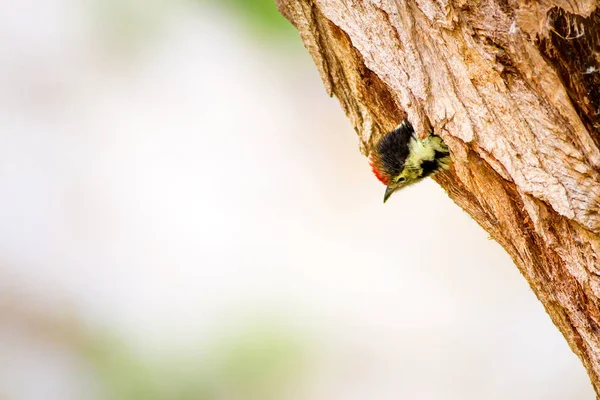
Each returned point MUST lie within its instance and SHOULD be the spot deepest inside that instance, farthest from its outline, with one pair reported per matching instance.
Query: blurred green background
(261, 16)
(184, 214)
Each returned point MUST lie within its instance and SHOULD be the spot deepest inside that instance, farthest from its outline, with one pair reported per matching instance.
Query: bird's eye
(402, 179)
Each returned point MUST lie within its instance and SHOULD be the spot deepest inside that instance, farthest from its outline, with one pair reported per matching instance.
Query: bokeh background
(184, 214)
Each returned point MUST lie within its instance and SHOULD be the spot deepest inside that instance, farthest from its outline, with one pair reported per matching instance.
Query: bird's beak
(388, 192)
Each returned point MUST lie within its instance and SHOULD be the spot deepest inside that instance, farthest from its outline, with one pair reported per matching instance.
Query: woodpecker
(400, 158)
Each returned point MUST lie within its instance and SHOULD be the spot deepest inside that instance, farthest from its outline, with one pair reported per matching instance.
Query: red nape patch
(380, 175)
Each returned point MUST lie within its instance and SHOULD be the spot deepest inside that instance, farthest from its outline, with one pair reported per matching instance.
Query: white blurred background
(184, 214)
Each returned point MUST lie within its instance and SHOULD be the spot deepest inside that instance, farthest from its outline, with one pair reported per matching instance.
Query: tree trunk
(513, 87)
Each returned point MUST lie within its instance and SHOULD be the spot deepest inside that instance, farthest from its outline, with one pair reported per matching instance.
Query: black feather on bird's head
(389, 156)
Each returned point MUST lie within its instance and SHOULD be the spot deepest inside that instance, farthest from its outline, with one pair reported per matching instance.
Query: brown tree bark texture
(513, 87)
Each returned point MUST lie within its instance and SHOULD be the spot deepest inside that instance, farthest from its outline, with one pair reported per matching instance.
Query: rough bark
(513, 87)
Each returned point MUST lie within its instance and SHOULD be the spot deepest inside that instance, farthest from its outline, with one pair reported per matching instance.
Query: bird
(400, 158)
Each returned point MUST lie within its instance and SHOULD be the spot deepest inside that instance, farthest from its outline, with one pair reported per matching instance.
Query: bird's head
(400, 159)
